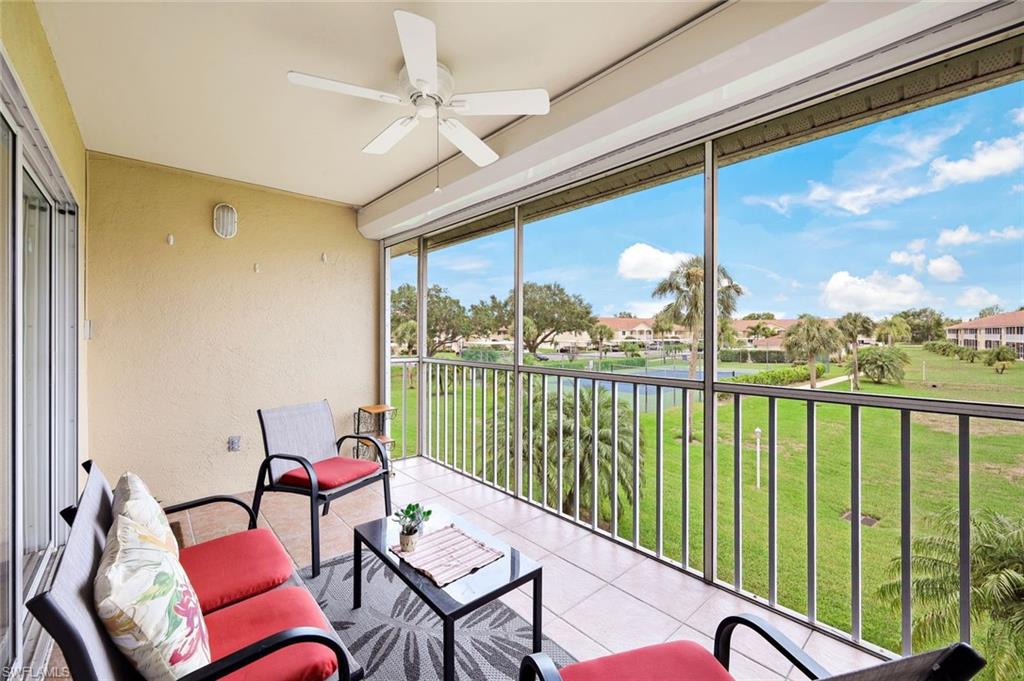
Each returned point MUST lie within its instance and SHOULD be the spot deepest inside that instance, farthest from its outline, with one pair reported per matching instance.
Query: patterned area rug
(396, 637)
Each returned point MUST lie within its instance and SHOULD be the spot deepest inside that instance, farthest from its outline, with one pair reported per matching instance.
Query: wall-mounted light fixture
(225, 221)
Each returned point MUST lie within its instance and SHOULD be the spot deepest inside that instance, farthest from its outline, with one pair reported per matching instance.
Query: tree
(759, 315)
(810, 337)
(969, 355)
(925, 324)
(726, 333)
(884, 364)
(447, 320)
(625, 315)
(552, 310)
(403, 305)
(989, 311)
(631, 349)
(663, 326)
(761, 330)
(405, 335)
(894, 330)
(601, 334)
(853, 325)
(1000, 358)
(490, 316)
(997, 586)
(684, 286)
(565, 497)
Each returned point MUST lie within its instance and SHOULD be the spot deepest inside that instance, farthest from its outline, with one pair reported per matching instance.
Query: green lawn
(996, 477)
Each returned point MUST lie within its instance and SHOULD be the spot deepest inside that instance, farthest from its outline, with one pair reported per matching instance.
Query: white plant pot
(408, 541)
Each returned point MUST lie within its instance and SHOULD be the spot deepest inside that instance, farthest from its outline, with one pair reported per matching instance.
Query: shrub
(1000, 358)
(754, 355)
(882, 364)
(479, 354)
(781, 376)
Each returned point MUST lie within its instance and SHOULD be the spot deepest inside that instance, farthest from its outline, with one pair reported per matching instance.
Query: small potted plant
(410, 519)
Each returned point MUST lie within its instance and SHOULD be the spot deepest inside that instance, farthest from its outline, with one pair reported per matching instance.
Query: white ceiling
(202, 86)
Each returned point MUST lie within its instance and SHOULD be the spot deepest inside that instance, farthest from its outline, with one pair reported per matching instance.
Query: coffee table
(462, 596)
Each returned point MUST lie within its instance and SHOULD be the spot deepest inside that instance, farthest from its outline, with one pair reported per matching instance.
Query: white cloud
(1017, 188)
(987, 159)
(462, 263)
(878, 293)
(977, 297)
(644, 308)
(945, 268)
(1009, 233)
(1018, 115)
(915, 260)
(958, 236)
(890, 181)
(917, 245)
(643, 261)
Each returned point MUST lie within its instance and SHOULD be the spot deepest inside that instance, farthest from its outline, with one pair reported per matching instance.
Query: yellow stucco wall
(25, 44)
(188, 340)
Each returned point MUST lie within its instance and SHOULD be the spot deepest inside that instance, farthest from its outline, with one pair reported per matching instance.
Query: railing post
(659, 425)
(855, 552)
(576, 449)
(737, 491)
(964, 464)
(594, 446)
(905, 535)
(615, 460)
(812, 513)
(773, 502)
(636, 464)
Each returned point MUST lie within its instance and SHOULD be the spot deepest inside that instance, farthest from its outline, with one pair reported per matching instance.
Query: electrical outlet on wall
(234, 443)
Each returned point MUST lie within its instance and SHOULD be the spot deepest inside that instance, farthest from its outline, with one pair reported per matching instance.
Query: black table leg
(538, 611)
(357, 574)
(449, 650)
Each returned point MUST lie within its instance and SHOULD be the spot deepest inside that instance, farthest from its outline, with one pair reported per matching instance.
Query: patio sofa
(262, 622)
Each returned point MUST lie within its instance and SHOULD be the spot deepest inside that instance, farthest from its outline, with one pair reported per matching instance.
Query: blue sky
(923, 209)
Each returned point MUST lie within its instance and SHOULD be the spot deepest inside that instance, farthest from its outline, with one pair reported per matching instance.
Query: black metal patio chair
(687, 660)
(303, 456)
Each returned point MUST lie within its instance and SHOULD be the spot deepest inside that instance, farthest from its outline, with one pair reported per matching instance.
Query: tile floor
(585, 576)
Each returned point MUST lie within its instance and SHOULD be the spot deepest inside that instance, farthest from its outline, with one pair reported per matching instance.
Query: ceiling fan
(429, 86)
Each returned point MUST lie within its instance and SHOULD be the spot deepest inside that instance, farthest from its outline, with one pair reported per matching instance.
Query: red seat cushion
(333, 472)
(675, 661)
(227, 569)
(236, 626)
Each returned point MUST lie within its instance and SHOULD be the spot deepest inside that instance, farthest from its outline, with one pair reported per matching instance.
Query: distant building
(990, 332)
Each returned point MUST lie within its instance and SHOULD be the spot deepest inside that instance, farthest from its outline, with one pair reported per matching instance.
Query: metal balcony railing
(529, 431)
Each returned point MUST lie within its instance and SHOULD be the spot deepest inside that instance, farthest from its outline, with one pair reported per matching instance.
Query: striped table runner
(448, 554)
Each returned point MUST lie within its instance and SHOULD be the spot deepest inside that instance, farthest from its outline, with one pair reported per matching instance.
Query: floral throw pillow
(133, 499)
(147, 604)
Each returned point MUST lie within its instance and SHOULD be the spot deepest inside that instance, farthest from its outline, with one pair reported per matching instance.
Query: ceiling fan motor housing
(445, 89)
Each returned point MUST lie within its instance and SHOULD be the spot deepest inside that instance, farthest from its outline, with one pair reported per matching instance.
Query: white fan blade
(475, 149)
(342, 88)
(502, 103)
(418, 36)
(392, 135)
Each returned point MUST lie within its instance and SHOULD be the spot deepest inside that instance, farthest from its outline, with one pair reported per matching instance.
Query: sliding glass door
(6, 391)
(36, 475)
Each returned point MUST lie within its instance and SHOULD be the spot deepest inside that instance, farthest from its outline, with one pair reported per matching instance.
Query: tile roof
(993, 321)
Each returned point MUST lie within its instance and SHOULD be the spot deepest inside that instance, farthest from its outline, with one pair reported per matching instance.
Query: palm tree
(684, 285)
(997, 587)
(604, 450)
(882, 364)
(894, 329)
(761, 330)
(853, 325)
(601, 334)
(810, 337)
(663, 326)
